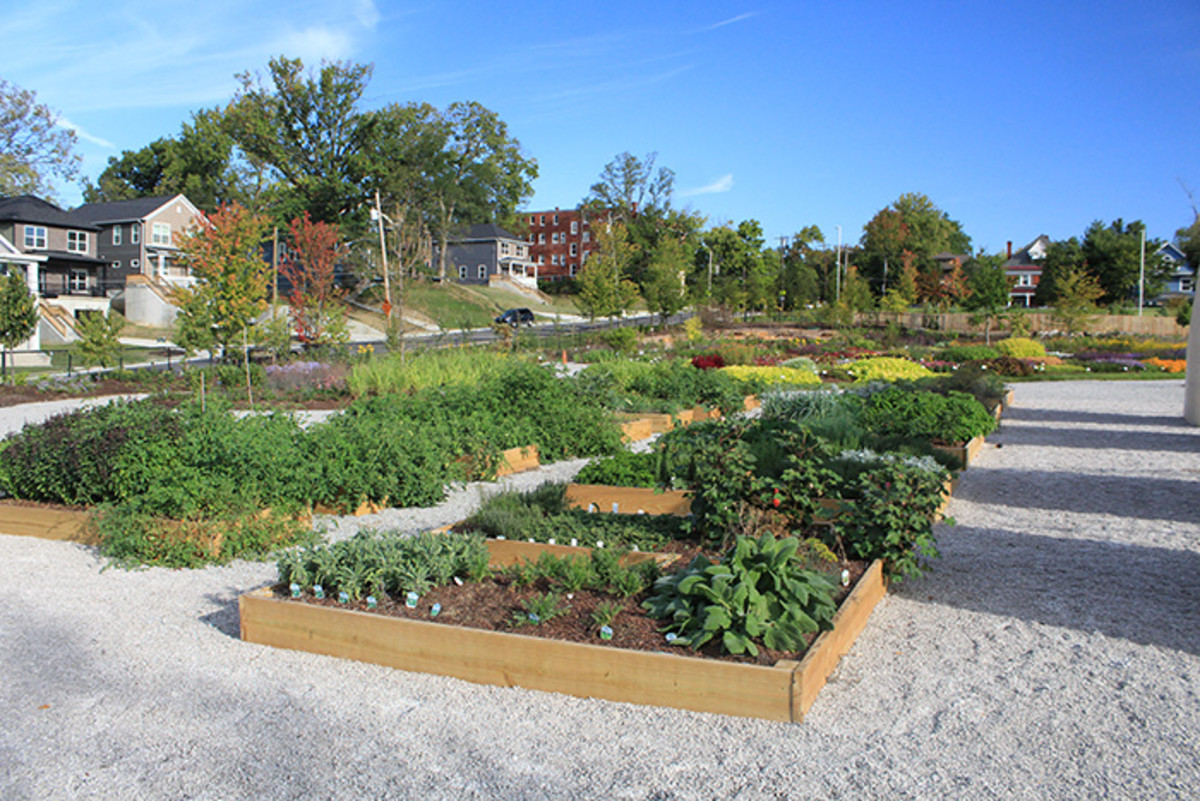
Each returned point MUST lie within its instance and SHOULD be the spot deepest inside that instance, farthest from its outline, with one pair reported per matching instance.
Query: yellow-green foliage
(432, 368)
(1021, 348)
(773, 376)
(693, 329)
(885, 368)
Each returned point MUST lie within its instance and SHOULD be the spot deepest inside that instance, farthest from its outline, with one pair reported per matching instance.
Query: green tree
(630, 186)
(664, 288)
(1062, 257)
(100, 338)
(33, 145)
(1075, 307)
(1113, 254)
(18, 310)
(911, 223)
(306, 126)
(480, 175)
(202, 163)
(224, 252)
(989, 298)
(801, 269)
(603, 289)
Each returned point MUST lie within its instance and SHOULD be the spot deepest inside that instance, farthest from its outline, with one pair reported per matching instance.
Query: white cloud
(366, 13)
(722, 184)
(730, 21)
(63, 122)
(311, 45)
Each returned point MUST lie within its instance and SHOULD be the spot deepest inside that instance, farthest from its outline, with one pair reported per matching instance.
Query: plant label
(318, 591)
(606, 632)
(343, 597)
(435, 610)
(371, 602)
(411, 600)
(295, 588)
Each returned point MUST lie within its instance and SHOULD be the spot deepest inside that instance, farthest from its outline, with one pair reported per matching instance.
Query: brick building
(559, 242)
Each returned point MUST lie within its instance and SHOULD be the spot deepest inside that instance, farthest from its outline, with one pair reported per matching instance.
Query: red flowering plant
(708, 361)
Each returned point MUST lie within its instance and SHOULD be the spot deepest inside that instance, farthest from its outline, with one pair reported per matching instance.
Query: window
(35, 236)
(543, 219)
(135, 232)
(574, 270)
(79, 280)
(161, 234)
(574, 226)
(462, 271)
(116, 265)
(483, 271)
(541, 259)
(532, 219)
(77, 241)
(541, 239)
(1024, 280)
(556, 219)
(574, 248)
(554, 238)
(1187, 285)
(135, 264)
(587, 236)
(116, 234)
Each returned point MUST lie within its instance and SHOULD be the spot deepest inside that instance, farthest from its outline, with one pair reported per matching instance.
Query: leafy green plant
(1021, 348)
(624, 469)
(757, 593)
(539, 609)
(606, 612)
(953, 417)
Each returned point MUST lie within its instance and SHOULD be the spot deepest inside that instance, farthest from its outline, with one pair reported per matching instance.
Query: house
(138, 241)
(486, 253)
(559, 242)
(1024, 270)
(71, 279)
(1182, 283)
(137, 237)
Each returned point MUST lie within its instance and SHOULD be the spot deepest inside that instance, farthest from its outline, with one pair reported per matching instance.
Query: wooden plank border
(48, 523)
(783, 692)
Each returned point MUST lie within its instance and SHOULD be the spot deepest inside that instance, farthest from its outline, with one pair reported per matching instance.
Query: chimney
(1010, 248)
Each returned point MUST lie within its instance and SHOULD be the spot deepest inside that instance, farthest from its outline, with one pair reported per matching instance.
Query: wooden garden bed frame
(782, 692)
(48, 523)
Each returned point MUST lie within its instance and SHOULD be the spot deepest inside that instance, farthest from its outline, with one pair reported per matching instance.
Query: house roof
(30, 209)
(485, 231)
(1024, 257)
(116, 211)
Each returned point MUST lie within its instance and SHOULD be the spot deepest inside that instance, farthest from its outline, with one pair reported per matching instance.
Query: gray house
(486, 253)
(137, 237)
(69, 272)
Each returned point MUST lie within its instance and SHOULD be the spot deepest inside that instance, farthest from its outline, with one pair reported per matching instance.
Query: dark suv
(515, 317)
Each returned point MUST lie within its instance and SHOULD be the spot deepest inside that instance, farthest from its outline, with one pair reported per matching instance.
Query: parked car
(515, 317)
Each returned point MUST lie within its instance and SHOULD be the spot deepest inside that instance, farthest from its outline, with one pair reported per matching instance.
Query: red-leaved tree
(316, 248)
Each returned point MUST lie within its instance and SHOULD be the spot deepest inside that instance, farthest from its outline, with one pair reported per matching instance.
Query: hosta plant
(758, 593)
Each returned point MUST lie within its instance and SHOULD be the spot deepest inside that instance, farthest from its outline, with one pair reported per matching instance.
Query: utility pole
(1142, 273)
(837, 270)
(387, 285)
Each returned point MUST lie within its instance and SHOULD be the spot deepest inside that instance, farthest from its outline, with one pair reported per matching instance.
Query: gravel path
(1054, 652)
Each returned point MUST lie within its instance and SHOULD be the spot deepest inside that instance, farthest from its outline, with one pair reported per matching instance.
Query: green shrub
(1021, 348)
(625, 469)
(623, 339)
(884, 368)
(757, 593)
(953, 417)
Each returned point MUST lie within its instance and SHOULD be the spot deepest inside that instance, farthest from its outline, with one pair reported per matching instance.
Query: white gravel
(1054, 652)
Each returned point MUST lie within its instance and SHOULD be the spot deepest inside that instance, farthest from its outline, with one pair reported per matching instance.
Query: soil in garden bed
(493, 605)
(16, 395)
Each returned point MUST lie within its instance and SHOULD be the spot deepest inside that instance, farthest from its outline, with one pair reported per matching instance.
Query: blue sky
(1016, 118)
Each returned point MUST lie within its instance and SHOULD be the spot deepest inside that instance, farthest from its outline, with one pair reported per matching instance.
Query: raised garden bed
(966, 452)
(47, 522)
(784, 691)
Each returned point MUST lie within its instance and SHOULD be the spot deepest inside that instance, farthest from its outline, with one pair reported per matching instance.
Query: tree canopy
(913, 224)
(34, 147)
(1112, 254)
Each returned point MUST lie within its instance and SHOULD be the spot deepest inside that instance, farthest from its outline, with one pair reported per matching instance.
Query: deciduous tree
(912, 223)
(603, 289)
(1075, 308)
(34, 147)
(18, 309)
(224, 252)
(989, 297)
(310, 266)
(1113, 254)
(100, 338)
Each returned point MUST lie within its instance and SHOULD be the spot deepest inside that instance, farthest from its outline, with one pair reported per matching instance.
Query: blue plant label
(343, 597)
(606, 632)
(533, 618)
(295, 588)
(318, 591)
(672, 636)
(435, 610)
(371, 602)
(411, 600)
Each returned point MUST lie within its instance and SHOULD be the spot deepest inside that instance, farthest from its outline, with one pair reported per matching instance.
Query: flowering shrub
(885, 368)
(301, 376)
(953, 417)
(1168, 365)
(1021, 347)
(708, 361)
(773, 376)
